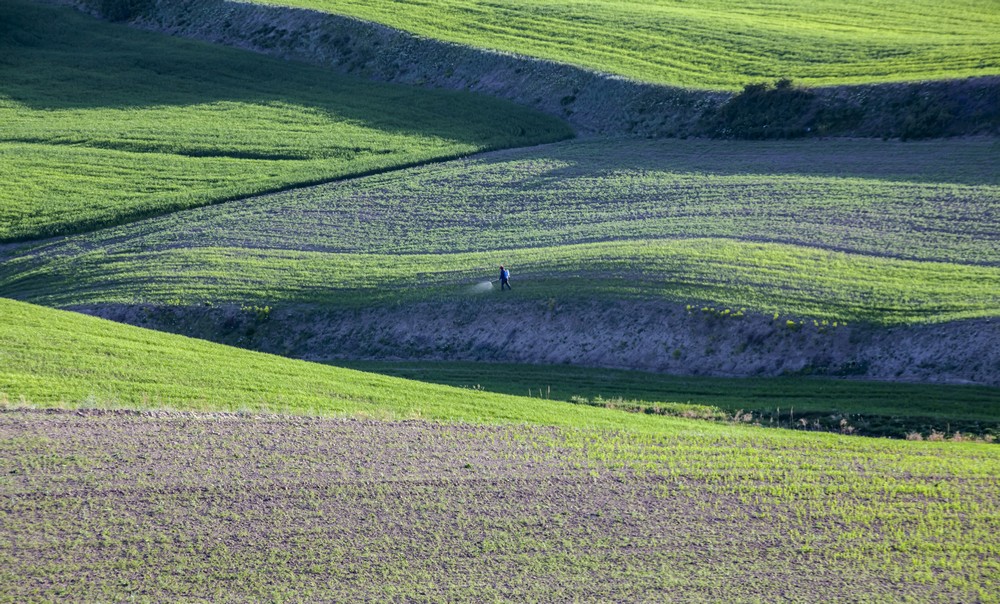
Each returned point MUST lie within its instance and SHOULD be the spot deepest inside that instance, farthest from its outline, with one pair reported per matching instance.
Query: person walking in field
(504, 278)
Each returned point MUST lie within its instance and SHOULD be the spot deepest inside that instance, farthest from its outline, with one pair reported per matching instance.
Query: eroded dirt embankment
(650, 336)
(592, 102)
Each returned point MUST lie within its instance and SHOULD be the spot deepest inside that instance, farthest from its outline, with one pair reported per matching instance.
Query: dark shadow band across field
(866, 407)
(58, 59)
(104, 124)
(739, 276)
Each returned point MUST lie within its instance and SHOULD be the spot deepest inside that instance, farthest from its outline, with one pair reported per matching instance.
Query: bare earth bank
(650, 336)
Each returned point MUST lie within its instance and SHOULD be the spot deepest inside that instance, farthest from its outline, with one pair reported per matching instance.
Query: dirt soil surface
(646, 336)
(114, 506)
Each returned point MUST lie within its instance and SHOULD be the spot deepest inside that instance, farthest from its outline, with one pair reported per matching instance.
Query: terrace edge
(659, 337)
(592, 102)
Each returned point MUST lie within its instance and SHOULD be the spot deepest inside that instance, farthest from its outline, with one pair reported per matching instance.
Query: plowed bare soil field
(156, 506)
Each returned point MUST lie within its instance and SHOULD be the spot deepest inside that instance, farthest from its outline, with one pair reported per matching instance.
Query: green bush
(122, 10)
(924, 117)
(767, 111)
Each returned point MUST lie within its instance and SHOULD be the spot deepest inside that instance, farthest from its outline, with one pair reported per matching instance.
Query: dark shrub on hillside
(767, 111)
(121, 10)
(924, 117)
(836, 118)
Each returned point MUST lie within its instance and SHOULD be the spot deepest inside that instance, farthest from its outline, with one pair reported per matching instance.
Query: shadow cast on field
(55, 58)
(954, 161)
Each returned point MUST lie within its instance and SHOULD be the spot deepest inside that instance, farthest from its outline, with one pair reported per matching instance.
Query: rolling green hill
(57, 358)
(715, 44)
(900, 517)
(103, 124)
(874, 408)
(783, 279)
(853, 230)
(54, 358)
(141, 465)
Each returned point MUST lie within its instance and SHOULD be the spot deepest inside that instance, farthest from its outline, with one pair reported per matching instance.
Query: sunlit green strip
(714, 43)
(759, 277)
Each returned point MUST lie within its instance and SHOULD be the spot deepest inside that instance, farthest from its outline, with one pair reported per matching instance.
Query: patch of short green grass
(103, 124)
(840, 230)
(742, 276)
(884, 408)
(715, 43)
(53, 358)
(112, 506)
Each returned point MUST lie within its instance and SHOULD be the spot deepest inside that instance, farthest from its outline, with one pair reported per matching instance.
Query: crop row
(916, 200)
(103, 124)
(112, 506)
(712, 44)
(762, 277)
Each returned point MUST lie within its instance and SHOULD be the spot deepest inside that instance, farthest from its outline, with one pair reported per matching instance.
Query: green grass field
(138, 465)
(900, 518)
(228, 509)
(874, 408)
(853, 230)
(104, 124)
(59, 358)
(715, 44)
(764, 278)
(930, 200)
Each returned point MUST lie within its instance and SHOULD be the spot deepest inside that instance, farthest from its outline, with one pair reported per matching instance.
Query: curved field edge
(739, 276)
(105, 124)
(53, 358)
(849, 406)
(930, 200)
(236, 508)
(590, 101)
(713, 45)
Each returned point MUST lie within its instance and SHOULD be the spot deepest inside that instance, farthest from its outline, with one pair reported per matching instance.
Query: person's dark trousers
(503, 283)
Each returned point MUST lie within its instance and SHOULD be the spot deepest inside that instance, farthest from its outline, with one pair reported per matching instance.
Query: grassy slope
(761, 277)
(908, 232)
(901, 516)
(713, 43)
(53, 357)
(102, 123)
(57, 358)
(796, 394)
(169, 507)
